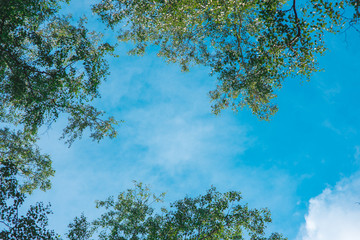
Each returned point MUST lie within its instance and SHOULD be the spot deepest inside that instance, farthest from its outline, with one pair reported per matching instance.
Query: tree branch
(5, 224)
(239, 40)
(298, 35)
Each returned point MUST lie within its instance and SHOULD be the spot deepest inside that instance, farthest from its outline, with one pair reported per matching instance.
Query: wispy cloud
(170, 140)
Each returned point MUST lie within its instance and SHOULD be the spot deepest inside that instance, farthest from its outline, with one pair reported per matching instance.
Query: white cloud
(335, 213)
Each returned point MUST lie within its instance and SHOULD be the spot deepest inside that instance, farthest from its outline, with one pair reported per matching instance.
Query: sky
(303, 164)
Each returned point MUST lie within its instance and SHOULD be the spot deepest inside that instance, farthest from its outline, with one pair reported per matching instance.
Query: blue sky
(303, 164)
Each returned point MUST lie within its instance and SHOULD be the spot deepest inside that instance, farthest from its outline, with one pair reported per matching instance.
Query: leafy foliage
(80, 229)
(130, 215)
(48, 67)
(32, 225)
(34, 168)
(214, 215)
(251, 46)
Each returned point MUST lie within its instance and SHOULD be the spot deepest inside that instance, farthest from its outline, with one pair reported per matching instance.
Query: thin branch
(5, 224)
(298, 35)
(239, 40)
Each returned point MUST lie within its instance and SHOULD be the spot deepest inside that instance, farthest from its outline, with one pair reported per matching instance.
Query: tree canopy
(48, 67)
(251, 46)
(214, 215)
(14, 226)
(34, 168)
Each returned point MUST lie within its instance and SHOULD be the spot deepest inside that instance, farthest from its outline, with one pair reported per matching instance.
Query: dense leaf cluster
(251, 46)
(34, 168)
(48, 66)
(13, 224)
(214, 215)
